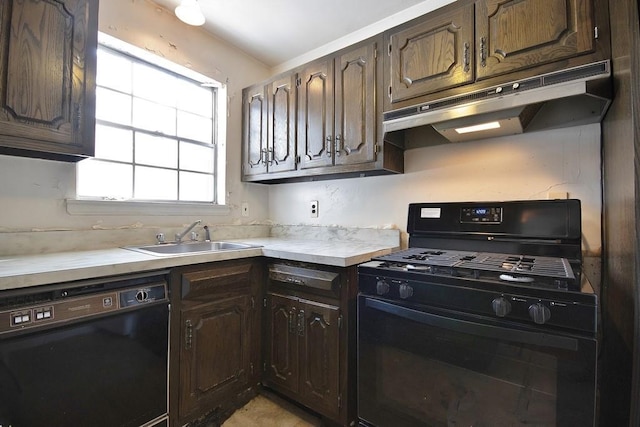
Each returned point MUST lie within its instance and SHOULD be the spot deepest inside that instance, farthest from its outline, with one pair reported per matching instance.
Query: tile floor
(271, 411)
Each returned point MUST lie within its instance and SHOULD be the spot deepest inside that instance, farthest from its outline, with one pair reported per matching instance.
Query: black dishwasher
(89, 353)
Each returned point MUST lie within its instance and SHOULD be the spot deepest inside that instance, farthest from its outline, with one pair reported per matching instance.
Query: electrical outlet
(245, 209)
(313, 208)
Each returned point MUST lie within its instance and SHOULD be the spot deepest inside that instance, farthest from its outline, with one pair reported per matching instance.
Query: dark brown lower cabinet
(215, 339)
(306, 341)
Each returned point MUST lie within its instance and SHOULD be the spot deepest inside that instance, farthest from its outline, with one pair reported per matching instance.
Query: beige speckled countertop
(32, 270)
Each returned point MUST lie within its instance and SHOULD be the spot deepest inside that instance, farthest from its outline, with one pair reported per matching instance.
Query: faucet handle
(160, 238)
(194, 236)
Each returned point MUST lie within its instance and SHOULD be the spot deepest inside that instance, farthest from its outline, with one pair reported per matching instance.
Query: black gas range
(490, 299)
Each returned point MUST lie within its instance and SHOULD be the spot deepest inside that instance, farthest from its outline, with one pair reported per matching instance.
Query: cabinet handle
(483, 51)
(301, 323)
(296, 281)
(292, 321)
(467, 57)
(338, 147)
(188, 334)
(329, 145)
(263, 156)
(270, 156)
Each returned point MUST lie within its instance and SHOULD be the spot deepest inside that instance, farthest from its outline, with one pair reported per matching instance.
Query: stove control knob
(539, 313)
(382, 287)
(405, 291)
(501, 306)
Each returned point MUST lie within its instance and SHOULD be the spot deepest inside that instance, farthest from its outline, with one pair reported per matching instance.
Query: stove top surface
(548, 272)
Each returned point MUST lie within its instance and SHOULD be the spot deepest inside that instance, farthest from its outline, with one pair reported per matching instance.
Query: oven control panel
(481, 215)
(529, 308)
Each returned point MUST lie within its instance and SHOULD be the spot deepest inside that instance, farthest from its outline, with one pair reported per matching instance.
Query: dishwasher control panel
(67, 308)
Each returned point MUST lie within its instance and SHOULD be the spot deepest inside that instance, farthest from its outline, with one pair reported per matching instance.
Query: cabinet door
(355, 106)
(281, 152)
(319, 355)
(215, 352)
(433, 55)
(517, 34)
(47, 77)
(282, 342)
(315, 115)
(254, 138)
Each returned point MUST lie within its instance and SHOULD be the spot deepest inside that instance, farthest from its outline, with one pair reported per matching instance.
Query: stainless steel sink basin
(190, 248)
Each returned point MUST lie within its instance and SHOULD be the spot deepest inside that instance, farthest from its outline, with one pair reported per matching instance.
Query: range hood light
(479, 128)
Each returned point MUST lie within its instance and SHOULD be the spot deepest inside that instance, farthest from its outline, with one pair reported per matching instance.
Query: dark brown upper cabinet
(319, 120)
(516, 34)
(433, 55)
(489, 41)
(269, 134)
(47, 78)
(337, 109)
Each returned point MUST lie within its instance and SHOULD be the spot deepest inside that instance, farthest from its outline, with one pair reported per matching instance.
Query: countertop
(33, 270)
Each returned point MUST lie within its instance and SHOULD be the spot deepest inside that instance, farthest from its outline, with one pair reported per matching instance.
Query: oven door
(420, 366)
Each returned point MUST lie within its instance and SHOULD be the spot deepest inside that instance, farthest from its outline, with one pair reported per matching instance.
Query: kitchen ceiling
(276, 31)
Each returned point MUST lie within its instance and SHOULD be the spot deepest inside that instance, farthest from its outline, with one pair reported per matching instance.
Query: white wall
(32, 192)
(529, 166)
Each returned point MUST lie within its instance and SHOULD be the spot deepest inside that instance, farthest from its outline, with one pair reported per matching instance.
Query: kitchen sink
(190, 248)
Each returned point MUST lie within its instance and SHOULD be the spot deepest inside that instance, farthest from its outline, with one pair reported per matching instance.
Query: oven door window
(110, 371)
(422, 367)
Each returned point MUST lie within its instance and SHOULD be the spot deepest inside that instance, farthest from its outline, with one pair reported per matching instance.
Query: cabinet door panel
(255, 131)
(282, 125)
(315, 115)
(320, 372)
(282, 342)
(516, 34)
(356, 106)
(47, 75)
(215, 357)
(433, 55)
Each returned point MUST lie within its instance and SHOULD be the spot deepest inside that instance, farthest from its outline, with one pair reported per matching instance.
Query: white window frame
(101, 206)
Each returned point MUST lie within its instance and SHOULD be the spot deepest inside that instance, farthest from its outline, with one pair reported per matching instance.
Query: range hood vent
(564, 98)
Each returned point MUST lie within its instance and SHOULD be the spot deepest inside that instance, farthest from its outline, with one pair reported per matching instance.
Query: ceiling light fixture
(190, 13)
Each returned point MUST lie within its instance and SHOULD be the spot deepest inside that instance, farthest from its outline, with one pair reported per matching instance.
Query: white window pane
(156, 184)
(114, 71)
(195, 127)
(156, 150)
(196, 157)
(113, 106)
(154, 117)
(154, 84)
(194, 98)
(114, 144)
(104, 179)
(196, 187)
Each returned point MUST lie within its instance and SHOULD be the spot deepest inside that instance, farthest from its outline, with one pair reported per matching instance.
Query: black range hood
(569, 97)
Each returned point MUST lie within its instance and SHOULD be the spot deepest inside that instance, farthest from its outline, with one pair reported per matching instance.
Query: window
(156, 134)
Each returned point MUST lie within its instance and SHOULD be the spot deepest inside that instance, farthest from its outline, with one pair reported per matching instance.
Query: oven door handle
(474, 328)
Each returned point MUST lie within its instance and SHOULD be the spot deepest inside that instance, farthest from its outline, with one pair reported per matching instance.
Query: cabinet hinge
(375, 53)
(264, 302)
(376, 148)
(339, 400)
(298, 82)
(298, 160)
(595, 32)
(340, 322)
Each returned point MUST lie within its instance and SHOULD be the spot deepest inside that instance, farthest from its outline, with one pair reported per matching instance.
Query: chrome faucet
(180, 236)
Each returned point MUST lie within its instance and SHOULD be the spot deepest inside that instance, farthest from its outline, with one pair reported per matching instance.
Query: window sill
(119, 207)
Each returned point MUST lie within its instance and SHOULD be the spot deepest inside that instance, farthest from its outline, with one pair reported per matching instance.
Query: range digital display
(481, 214)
